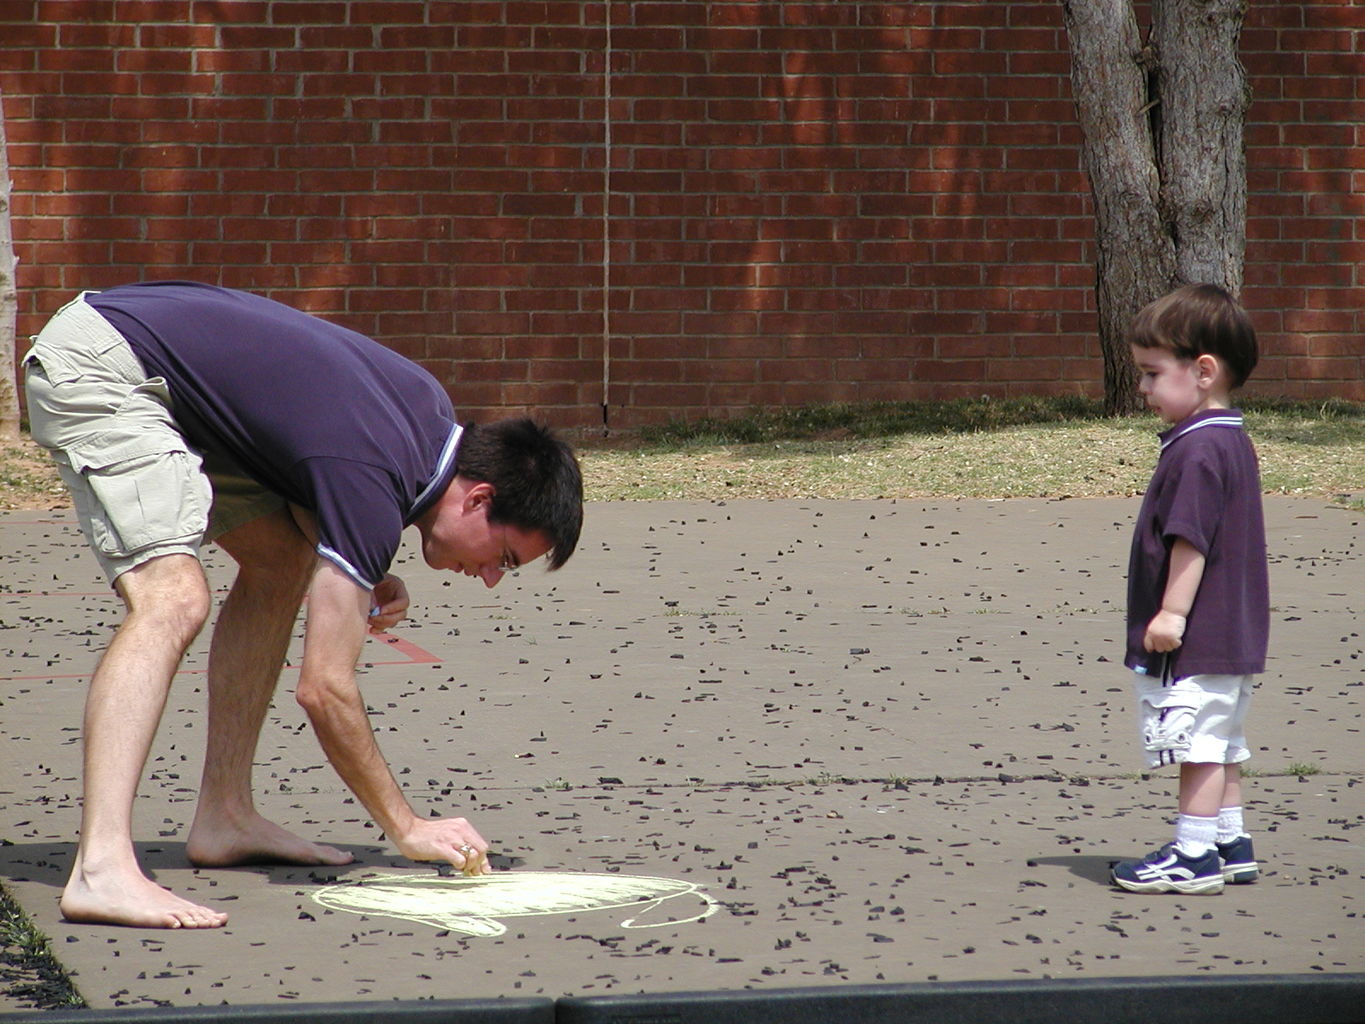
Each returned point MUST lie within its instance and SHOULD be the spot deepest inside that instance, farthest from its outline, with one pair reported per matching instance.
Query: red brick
(1024, 369)
(1309, 321)
(1322, 368)
(1350, 345)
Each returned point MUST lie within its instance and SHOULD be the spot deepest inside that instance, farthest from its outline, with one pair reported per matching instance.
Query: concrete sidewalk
(858, 741)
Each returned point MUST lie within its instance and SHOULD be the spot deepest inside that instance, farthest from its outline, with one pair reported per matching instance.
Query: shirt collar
(440, 479)
(1208, 418)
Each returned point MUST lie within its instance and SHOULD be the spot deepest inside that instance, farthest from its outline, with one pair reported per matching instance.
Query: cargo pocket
(144, 492)
(44, 372)
(1168, 725)
(56, 366)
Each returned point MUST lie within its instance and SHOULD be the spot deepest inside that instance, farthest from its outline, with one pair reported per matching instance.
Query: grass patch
(873, 419)
(970, 448)
(29, 973)
(976, 448)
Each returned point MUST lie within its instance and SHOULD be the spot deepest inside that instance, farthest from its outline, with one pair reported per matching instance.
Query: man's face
(463, 539)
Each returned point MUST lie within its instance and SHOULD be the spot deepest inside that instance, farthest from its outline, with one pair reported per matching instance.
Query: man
(179, 413)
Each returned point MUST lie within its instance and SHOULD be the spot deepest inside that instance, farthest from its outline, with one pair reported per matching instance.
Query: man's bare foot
(258, 841)
(132, 900)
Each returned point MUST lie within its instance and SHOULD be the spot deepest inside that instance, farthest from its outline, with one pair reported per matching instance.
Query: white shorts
(1199, 719)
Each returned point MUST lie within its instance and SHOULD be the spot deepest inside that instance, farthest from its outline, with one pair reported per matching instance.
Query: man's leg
(167, 601)
(275, 564)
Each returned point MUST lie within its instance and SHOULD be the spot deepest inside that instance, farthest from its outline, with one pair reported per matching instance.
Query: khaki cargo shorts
(138, 488)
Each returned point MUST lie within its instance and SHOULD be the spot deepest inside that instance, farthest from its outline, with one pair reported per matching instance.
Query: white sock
(1194, 837)
(1230, 825)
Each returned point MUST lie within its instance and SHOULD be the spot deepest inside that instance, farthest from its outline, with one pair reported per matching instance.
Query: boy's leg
(167, 601)
(1232, 786)
(1202, 789)
(1234, 845)
(1169, 715)
(1201, 796)
(1189, 865)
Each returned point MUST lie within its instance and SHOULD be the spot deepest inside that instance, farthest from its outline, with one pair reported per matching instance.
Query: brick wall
(806, 202)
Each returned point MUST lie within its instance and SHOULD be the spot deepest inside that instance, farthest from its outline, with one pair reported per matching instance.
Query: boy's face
(1175, 388)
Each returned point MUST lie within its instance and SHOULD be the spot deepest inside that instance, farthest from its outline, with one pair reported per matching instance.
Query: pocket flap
(112, 447)
(1172, 697)
(56, 367)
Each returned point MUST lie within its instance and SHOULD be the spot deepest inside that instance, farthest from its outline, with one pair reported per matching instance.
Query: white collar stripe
(442, 464)
(1212, 421)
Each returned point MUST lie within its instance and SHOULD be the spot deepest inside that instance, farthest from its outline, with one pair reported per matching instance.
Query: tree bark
(1135, 255)
(9, 301)
(1204, 97)
(1162, 144)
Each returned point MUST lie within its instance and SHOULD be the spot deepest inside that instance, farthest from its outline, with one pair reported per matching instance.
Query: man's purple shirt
(329, 419)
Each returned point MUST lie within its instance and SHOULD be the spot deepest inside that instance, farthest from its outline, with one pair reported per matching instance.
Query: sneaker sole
(1195, 887)
(1240, 874)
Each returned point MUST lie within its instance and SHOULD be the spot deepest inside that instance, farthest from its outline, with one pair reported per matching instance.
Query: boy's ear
(1209, 367)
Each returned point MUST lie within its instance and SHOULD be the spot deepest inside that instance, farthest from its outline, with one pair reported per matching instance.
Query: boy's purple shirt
(1207, 490)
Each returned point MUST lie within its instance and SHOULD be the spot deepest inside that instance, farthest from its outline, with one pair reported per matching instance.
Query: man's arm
(389, 604)
(1167, 628)
(328, 692)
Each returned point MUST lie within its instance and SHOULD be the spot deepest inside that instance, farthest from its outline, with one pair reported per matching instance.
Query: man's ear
(479, 495)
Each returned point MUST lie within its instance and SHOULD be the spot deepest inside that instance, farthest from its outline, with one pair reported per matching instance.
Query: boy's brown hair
(1196, 320)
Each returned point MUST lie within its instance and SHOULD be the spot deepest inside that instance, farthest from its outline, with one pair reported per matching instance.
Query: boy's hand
(1164, 632)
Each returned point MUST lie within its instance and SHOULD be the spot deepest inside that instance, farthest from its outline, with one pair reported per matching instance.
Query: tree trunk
(1162, 144)
(9, 301)
(1204, 97)
(1136, 257)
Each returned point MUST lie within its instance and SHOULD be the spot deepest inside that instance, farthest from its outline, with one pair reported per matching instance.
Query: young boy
(1198, 591)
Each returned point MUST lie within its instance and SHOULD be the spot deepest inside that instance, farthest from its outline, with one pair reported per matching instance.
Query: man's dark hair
(1196, 320)
(536, 481)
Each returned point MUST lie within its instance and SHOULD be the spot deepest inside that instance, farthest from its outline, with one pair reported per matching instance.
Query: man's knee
(169, 594)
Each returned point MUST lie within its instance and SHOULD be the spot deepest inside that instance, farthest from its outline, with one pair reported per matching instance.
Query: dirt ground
(850, 742)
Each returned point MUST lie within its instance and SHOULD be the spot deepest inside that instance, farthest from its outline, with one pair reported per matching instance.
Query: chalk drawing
(475, 906)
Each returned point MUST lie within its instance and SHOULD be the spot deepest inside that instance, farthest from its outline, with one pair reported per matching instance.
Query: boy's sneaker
(1168, 870)
(1239, 863)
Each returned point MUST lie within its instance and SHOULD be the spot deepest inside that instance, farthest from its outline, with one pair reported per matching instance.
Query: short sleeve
(360, 523)
(1195, 502)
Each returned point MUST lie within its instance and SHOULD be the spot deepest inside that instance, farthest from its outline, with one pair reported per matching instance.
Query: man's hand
(1164, 632)
(446, 839)
(390, 604)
